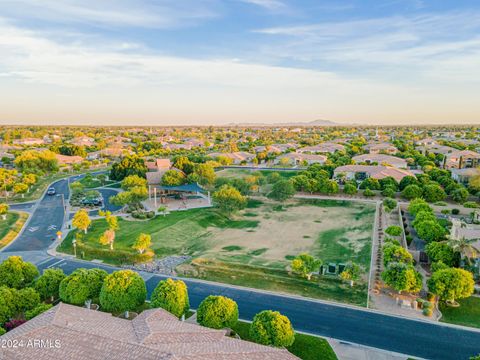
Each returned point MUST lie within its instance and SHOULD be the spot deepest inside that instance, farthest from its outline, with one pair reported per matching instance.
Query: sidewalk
(348, 351)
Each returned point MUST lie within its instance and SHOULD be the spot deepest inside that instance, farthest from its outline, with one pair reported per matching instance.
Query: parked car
(51, 191)
(92, 202)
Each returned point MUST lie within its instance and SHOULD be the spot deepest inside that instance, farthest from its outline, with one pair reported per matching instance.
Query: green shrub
(427, 305)
(368, 193)
(123, 290)
(82, 285)
(2, 331)
(455, 211)
(171, 295)
(445, 211)
(30, 314)
(272, 328)
(394, 230)
(217, 312)
(470, 205)
(427, 312)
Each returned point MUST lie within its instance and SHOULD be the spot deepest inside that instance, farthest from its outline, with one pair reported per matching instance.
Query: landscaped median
(254, 247)
(11, 227)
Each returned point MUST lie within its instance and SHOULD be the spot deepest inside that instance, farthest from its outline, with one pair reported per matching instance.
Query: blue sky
(214, 62)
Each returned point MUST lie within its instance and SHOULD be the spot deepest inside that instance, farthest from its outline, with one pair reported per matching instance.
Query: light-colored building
(381, 148)
(362, 172)
(28, 141)
(326, 148)
(299, 159)
(464, 175)
(76, 333)
(462, 159)
(68, 160)
(380, 159)
(236, 157)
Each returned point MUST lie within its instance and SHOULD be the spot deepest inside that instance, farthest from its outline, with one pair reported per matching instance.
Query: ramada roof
(153, 335)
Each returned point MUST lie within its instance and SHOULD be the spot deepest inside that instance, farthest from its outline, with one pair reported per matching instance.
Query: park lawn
(11, 227)
(468, 314)
(94, 182)
(255, 247)
(306, 347)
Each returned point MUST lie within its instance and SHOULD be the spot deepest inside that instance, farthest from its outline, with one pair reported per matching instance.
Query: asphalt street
(356, 325)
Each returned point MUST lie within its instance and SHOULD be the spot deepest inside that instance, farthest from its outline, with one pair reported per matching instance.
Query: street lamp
(74, 243)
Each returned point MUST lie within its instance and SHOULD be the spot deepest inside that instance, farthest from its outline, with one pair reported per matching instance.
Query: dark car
(92, 202)
(51, 191)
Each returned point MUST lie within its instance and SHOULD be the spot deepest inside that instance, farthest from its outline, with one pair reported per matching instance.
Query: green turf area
(468, 314)
(6, 225)
(11, 227)
(94, 182)
(306, 347)
(252, 251)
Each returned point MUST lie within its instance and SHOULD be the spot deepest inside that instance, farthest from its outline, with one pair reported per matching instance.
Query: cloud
(126, 13)
(267, 4)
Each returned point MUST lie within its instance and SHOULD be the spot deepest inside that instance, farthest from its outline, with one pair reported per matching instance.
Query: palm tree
(464, 247)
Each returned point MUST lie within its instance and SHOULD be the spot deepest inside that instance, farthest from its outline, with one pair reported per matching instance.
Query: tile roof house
(381, 159)
(327, 147)
(381, 148)
(156, 170)
(374, 171)
(298, 159)
(236, 157)
(464, 175)
(68, 160)
(461, 159)
(75, 333)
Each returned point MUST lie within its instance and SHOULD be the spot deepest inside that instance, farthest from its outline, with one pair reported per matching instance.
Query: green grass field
(256, 246)
(468, 314)
(306, 347)
(10, 227)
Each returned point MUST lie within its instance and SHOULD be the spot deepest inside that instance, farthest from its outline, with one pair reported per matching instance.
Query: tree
(142, 243)
(305, 265)
(77, 187)
(370, 183)
(451, 284)
(171, 295)
(465, 247)
(108, 238)
(173, 178)
(7, 304)
(82, 285)
(394, 230)
(217, 312)
(282, 190)
(48, 285)
(31, 161)
(412, 192)
(206, 174)
(229, 199)
(402, 277)
(460, 195)
(123, 290)
(408, 180)
(25, 299)
(184, 164)
(351, 273)
(441, 251)
(272, 328)
(39, 309)
(4, 210)
(16, 273)
(129, 165)
(396, 253)
(418, 205)
(132, 181)
(389, 204)
(350, 189)
(433, 193)
(20, 188)
(121, 199)
(81, 220)
(430, 230)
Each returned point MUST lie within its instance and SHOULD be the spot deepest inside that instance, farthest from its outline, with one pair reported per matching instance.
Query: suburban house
(327, 147)
(380, 159)
(464, 175)
(68, 160)
(76, 333)
(381, 148)
(461, 159)
(156, 170)
(361, 172)
(236, 157)
(83, 141)
(275, 148)
(426, 142)
(300, 159)
(28, 141)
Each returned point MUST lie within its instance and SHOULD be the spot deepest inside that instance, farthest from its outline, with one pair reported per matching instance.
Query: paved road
(408, 336)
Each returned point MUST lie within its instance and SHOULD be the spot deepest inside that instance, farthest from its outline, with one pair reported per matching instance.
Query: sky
(214, 62)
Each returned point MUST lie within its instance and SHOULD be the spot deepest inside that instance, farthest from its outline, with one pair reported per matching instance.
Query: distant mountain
(319, 122)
